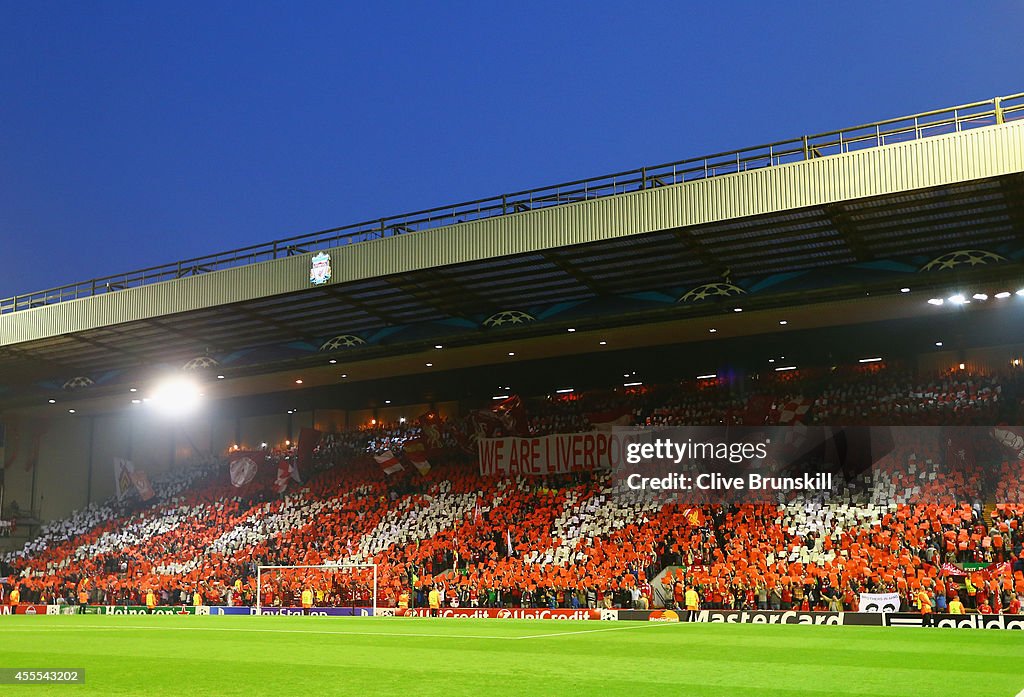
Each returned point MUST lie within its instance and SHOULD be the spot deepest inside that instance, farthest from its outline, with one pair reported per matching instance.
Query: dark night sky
(133, 135)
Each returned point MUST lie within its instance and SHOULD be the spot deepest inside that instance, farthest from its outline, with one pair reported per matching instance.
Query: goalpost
(338, 582)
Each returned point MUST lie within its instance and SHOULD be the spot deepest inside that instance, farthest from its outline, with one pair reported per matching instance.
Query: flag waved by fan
(141, 482)
(283, 475)
(388, 462)
(242, 467)
(512, 415)
(793, 411)
(417, 454)
(610, 419)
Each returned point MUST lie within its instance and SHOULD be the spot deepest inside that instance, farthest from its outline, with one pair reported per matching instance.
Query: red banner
(243, 468)
(993, 569)
(512, 613)
(557, 454)
(612, 418)
(309, 438)
(417, 455)
(141, 481)
(513, 416)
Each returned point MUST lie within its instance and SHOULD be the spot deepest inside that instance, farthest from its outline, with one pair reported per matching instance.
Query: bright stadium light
(936, 301)
(957, 299)
(785, 367)
(873, 359)
(176, 396)
(567, 390)
(709, 376)
(904, 290)
(1021, 292)
(1003, 295)
(980, 296)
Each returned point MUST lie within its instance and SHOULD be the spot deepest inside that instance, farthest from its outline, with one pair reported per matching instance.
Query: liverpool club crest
(320, 269)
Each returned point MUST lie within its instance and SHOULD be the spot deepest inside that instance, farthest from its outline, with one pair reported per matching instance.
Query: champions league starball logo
(320, 269)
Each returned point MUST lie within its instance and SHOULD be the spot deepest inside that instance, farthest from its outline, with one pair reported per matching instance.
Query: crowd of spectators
(572, 540)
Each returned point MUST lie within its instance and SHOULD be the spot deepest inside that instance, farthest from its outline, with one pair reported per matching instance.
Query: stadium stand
(572, 541)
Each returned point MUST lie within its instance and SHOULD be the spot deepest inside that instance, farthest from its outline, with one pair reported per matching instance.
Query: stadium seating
(575, 540)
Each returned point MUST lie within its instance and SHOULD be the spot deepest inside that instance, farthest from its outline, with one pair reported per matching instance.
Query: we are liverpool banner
(555, 454)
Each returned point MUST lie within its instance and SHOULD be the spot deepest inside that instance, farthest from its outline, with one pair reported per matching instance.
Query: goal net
(331, 589)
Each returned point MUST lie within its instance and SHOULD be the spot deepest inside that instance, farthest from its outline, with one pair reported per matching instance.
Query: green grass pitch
(420, 657)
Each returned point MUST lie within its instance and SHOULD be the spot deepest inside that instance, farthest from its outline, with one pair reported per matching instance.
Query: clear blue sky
(133, 134)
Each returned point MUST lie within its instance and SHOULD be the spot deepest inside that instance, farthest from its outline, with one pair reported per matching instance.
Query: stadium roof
(964, 229)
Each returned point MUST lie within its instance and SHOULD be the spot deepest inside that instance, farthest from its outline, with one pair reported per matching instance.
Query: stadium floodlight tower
(343, 572)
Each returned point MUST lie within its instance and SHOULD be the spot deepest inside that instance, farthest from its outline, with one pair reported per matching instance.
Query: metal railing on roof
(908, 128)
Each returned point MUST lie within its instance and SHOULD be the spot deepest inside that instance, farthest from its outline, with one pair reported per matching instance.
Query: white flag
(123, 470)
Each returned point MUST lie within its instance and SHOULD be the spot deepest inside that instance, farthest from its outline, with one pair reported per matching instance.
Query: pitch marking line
(264, 630)
(257, 630)
(639, 625)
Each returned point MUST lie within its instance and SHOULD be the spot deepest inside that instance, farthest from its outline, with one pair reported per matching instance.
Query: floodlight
(176, 396)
